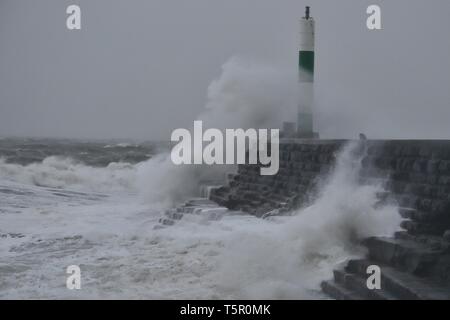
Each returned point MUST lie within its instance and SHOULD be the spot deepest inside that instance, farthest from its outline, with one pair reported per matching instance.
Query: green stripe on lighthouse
(306, 61)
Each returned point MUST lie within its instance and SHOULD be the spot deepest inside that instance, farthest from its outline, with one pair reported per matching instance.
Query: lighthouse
(306, 77)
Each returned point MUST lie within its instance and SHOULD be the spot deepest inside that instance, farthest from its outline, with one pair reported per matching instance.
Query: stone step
(407, 200)
(385, 198)
(402, 253)
(432, 241)
(250, 195)
(279, 197)
(203, 207)
(173, 214)
(430, 191)
(372, 180)
(416, 228)
(166, 221)
(402, 284)
(357, 283)
(338, 292)
(407, 213)
(213, 212)
(441, 221)
(427, 190)
(185, 209)
(220, 199)
(403, 235)
(369, 172)
(199, 202)
(274, 203)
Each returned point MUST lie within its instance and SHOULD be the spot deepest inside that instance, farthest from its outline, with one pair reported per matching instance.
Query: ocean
(98, 205)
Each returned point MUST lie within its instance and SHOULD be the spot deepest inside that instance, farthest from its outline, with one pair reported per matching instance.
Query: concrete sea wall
(415, 262)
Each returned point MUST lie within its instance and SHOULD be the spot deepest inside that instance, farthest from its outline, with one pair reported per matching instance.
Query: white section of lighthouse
(306, 76)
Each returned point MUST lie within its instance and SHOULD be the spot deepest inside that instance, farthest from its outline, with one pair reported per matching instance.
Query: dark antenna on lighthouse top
(307, 15)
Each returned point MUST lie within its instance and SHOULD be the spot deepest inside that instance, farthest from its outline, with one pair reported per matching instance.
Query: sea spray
(247, 94)
(289, 259)
(163, 184)
(157, 181)
(251, 94)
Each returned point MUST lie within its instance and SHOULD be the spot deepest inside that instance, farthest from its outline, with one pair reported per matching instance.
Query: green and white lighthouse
(306, 77)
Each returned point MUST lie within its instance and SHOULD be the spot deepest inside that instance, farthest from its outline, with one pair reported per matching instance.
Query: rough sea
(97, 205)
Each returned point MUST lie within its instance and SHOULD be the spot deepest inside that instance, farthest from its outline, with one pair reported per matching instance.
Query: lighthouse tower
(306, 77)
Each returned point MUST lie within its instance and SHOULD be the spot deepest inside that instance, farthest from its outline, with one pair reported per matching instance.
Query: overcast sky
(140, 68)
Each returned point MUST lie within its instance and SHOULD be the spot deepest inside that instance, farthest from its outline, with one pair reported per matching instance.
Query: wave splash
(59, 172)
(290, 259)
(235, 257)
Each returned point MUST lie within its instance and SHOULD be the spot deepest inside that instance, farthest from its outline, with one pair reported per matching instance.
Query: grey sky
(140, 68)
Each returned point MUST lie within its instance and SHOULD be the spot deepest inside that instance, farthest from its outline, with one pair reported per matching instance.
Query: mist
(139, 69)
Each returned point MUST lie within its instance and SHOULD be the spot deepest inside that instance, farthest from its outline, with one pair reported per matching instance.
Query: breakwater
(415, 174)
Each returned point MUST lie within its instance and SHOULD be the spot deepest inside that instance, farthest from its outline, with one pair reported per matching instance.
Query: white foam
(237, 256)
(58, 172)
